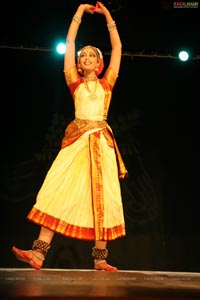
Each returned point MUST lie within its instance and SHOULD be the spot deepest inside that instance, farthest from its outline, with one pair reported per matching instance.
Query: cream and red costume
(80, 196)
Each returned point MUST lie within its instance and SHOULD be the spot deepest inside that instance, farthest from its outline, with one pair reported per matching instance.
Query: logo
(181, 4)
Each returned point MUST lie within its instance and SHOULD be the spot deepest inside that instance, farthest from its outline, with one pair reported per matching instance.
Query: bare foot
(101, 265)
(33, 258)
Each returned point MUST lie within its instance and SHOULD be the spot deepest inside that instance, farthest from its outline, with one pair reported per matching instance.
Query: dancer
(80, 196)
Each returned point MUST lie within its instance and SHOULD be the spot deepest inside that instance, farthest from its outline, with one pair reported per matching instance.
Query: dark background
(154, 115)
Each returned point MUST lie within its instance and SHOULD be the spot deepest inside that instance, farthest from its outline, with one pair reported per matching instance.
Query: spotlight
(61, 47)
(183, 55)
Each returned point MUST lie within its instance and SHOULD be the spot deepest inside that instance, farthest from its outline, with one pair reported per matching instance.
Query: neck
(90, 77)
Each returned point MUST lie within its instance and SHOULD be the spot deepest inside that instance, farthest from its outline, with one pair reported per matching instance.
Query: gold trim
(110, 76)
(97, 184)
(71, 75)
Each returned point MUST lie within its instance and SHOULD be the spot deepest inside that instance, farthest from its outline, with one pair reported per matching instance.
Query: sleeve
(111, 77)
(72, 79)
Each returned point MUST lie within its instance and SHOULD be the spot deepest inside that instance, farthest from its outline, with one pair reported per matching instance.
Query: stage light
(61, 47)
(183, 55)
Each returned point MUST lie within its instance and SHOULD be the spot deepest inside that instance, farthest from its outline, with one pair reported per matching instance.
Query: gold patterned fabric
(81, 196)
(71, 76)
(80, 125)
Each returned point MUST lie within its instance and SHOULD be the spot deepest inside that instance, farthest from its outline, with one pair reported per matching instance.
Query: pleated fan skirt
(81, 196)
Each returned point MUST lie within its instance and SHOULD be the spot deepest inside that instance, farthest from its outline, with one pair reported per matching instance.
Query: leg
(46, 235)
(100, 254)
(36, 256)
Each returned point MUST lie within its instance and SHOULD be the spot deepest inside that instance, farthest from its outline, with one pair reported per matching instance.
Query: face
(88, 59)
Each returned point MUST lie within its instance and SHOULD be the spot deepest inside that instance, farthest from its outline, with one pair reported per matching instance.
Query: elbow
(70, 40)
(118, 46)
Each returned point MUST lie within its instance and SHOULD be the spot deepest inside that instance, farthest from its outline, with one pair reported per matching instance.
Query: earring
(79, 68)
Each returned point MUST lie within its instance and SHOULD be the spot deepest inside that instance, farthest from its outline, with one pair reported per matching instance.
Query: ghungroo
(99, 253)
(41, 246)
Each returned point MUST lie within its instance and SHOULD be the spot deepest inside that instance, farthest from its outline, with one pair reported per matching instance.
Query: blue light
(61, 47)
(183, 55)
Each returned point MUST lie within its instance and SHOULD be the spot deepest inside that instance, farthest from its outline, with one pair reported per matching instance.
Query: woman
(80, 196)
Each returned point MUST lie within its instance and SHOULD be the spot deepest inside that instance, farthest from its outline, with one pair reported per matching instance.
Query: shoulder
(73, 79)
(72, 75)
(110, 76)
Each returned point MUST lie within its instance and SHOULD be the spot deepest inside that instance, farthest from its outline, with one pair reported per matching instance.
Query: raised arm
(70, 54)
(116, 51)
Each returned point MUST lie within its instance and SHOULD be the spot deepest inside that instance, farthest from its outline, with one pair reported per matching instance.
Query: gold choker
(88, 78)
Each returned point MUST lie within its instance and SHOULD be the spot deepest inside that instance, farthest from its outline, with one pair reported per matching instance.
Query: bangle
(77, 19)
(111, 26)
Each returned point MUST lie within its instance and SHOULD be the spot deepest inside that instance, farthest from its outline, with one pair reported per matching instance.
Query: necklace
(88, 78)
(92, 92)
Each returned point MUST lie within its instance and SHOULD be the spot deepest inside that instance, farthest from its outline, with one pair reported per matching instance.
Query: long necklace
(92, 92)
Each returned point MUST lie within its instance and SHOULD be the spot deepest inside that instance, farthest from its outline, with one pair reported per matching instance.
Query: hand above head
(100, 8)
(88, 8)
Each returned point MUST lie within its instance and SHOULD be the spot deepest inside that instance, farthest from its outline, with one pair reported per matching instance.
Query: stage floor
(90, 284)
